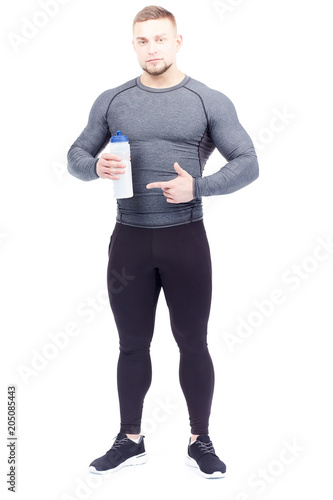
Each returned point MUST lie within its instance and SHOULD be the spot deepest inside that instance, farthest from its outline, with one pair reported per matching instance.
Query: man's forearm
(81, 164)
(235, 175)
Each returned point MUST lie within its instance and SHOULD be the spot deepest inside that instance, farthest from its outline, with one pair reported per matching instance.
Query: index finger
(108, 156)
(157, 185)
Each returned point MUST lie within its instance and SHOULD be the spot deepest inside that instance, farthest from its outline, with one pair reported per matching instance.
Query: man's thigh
(133, 285)
(186, 277)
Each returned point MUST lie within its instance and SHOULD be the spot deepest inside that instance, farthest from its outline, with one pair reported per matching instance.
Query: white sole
(192, 463)
(136, 460)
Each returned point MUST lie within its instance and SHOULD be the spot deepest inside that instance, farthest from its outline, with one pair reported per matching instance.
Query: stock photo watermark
(293, 278)
(163, 410)
(280, 120)
(32, 26)
(225, 7)
(12, 437)
(3, 237)
(86, 312)
(277, 124)
(85, 487)
(60, 170)
(259, 481)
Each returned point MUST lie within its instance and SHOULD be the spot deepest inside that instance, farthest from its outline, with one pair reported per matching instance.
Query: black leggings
(141, 261)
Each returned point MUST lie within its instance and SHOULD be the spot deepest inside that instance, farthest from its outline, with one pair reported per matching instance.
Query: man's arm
(81, 156)
(235, 145)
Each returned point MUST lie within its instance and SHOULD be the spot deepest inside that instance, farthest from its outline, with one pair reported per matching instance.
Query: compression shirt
(183, 124)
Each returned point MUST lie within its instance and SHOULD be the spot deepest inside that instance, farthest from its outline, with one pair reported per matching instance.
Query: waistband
(156, 220)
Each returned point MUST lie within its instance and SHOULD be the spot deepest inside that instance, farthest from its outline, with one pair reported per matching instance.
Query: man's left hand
(179, 190)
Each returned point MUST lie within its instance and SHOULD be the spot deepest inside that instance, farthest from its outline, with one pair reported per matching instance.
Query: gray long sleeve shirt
(180, 124)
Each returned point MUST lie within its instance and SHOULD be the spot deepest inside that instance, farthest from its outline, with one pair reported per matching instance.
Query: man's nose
(152, 48)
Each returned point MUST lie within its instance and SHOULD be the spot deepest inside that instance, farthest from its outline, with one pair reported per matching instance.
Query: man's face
(156, 44)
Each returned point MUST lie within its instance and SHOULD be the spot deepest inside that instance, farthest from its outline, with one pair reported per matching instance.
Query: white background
(272, 387)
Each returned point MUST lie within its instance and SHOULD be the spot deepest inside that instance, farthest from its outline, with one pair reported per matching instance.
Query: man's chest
(176, 117)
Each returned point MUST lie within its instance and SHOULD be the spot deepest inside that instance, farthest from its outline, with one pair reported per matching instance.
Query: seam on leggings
(152, 232)
(200, 244)
(192, 213)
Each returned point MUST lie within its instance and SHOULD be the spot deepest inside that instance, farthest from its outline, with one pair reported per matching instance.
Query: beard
(157, 71)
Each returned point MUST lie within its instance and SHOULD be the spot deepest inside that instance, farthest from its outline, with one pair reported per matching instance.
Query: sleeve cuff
(195, 187)
(94, 174)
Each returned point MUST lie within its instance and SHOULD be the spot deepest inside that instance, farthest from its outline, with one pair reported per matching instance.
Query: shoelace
(117, 443)
(206, 447)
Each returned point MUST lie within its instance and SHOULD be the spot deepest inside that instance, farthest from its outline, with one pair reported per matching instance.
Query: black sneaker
(124, 452)
(201, 455)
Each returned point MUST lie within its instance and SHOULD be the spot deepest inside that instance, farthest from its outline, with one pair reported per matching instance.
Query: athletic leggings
(141, 261)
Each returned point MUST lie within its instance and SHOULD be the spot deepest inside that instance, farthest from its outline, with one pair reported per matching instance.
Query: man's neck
(167, 79)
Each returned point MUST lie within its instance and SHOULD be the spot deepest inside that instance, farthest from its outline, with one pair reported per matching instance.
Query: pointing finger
(156, 185)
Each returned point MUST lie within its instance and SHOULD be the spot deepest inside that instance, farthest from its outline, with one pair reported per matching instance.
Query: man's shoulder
(208, 94)
(107, 95)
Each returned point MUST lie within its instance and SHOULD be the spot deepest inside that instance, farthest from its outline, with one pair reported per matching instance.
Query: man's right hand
(110, 167)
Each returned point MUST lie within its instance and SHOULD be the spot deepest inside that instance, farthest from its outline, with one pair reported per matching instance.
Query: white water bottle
(119, 145)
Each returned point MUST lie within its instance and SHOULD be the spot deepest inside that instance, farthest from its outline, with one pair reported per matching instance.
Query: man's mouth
(154, 60)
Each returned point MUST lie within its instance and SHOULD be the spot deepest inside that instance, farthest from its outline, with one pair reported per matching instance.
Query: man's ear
(179, 41)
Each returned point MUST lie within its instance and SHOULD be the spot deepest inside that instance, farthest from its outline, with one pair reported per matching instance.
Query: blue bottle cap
(119, 137)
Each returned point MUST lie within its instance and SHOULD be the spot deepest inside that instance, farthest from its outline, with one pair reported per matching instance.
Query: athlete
(174, 123)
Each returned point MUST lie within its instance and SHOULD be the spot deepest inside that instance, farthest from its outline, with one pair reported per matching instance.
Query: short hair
(154, 12)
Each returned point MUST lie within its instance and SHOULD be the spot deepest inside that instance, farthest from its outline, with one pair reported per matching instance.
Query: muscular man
(173, 123)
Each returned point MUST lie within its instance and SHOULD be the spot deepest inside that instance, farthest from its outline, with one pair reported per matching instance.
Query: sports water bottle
(119, 145)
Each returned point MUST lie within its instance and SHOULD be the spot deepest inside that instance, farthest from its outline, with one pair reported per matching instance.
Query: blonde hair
(154, 12)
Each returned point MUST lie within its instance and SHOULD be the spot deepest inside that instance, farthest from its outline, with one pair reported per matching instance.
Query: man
(173, 123)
